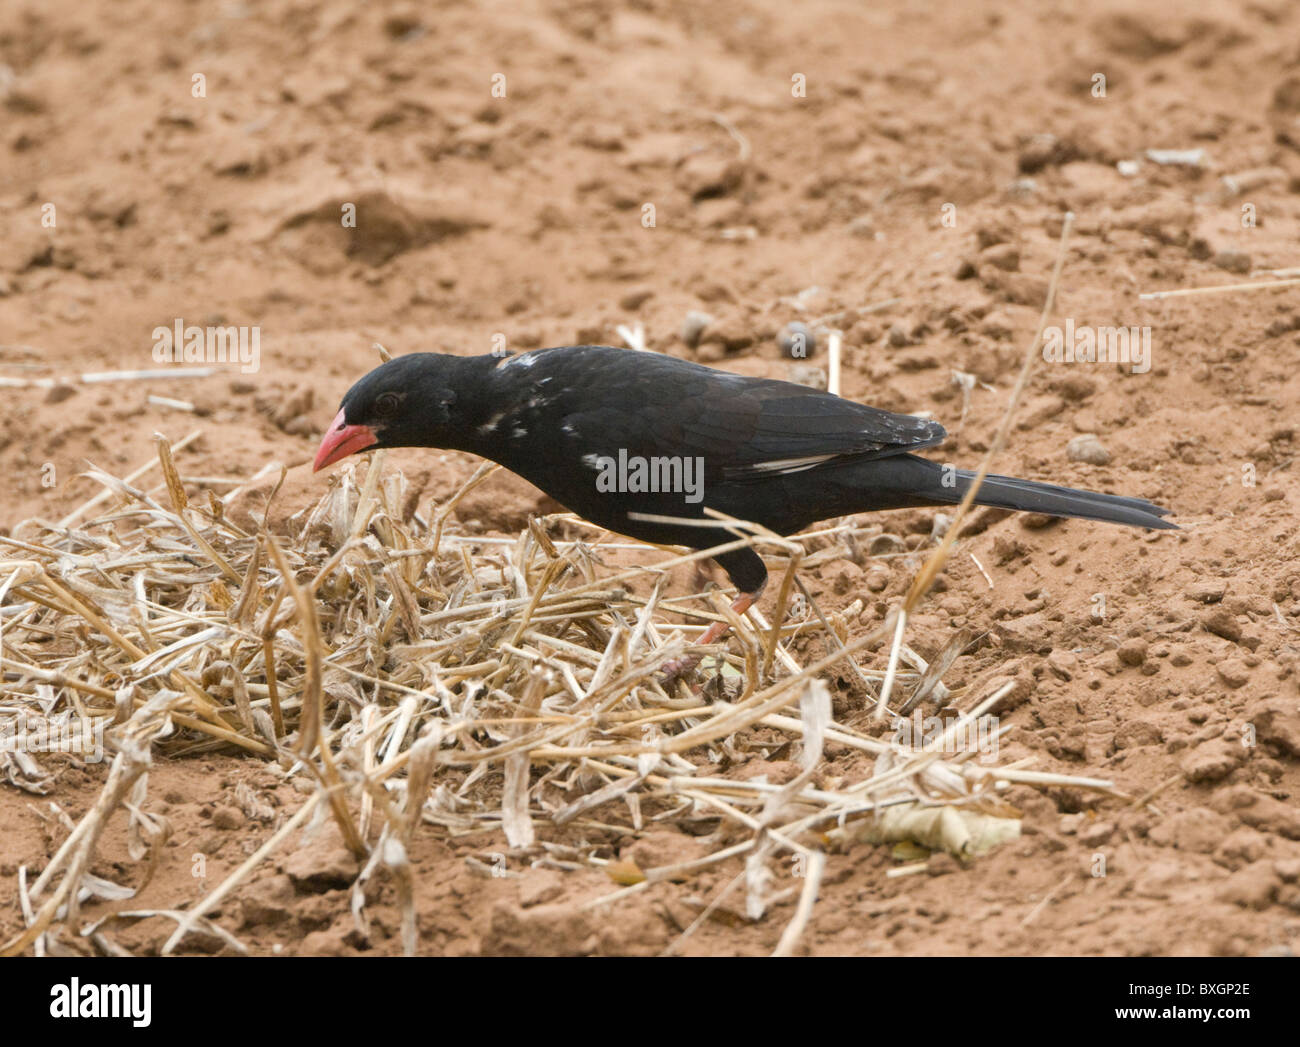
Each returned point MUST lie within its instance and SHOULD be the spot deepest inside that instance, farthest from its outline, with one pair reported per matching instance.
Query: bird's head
(406, 402)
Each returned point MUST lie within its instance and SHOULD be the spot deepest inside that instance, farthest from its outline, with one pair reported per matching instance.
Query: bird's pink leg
(742, 603)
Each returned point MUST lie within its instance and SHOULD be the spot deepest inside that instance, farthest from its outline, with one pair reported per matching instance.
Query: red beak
(342, 440)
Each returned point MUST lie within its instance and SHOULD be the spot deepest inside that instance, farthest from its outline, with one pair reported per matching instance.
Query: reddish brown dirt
(523, 215)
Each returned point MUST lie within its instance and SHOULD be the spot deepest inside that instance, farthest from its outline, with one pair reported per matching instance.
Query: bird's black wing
(745, 429)
(789, 429)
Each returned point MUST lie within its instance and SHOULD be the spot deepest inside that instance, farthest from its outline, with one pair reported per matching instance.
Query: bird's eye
(386, 404)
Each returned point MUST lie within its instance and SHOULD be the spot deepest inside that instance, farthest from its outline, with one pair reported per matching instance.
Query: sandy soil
(523, 216)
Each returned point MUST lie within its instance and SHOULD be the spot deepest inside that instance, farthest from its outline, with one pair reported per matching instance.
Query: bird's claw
(679, 667)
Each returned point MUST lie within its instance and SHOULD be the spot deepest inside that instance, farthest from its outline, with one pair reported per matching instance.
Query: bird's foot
(679, 667)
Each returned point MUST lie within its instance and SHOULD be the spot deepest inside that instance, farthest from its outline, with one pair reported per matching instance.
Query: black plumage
(779, 454)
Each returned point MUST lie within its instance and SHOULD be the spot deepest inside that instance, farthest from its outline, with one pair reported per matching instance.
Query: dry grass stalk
(931, 569)
(1188, 292)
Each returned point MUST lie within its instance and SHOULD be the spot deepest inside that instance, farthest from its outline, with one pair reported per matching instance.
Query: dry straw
(416, 679)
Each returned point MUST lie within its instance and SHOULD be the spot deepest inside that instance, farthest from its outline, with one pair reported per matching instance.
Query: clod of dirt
(1210, 591)
(1233, 671)
(1277, 722)
(634, 299)
(1045, 150)
(1212, 761)
(324, 943)
(708, 175)
(1221, 622)
(384, 224)
(1002, 256)
(1196, 829)
(658, 849)
(544, 930)
(1261, 812)
(1132, 652)
(539, 887)
(266, 902)
(1284, 111)
(1253, 887)
(1017, 288)
(731, 333)
(1233, 261)
(322, 865)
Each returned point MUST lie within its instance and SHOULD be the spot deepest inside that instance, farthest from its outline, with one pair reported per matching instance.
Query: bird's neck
(477, 403)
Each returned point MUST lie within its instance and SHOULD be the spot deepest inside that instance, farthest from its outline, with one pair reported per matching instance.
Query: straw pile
(425, 680)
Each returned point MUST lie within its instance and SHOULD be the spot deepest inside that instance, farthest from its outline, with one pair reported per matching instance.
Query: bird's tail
(929, 483)
(1006, 492)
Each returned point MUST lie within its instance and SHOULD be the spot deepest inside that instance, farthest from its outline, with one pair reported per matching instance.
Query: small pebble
(693, 327)
(1233, 261)
(1211, 591)
(797, 340)
(1004, 256)
(1096, 834)
(634, 299)
(811, 375)
(1087, 448)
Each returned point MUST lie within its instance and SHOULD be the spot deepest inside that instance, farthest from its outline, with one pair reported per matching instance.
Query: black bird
(616, 435)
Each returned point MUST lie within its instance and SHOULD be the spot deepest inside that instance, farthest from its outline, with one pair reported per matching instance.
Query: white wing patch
(780, 466)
